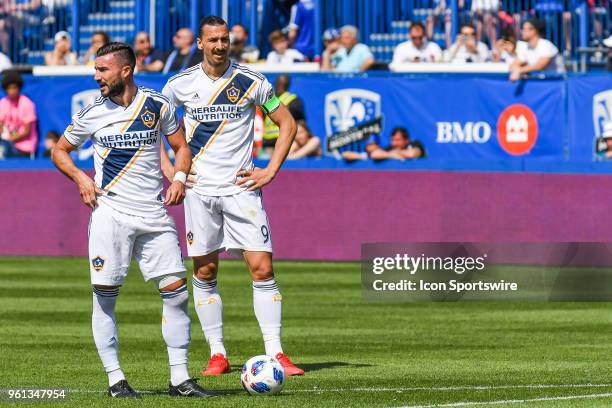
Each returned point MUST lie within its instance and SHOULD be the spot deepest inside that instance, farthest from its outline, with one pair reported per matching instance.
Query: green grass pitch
(356, 354)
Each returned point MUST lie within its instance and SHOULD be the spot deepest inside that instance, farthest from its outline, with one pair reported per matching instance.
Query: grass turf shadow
(318, 366)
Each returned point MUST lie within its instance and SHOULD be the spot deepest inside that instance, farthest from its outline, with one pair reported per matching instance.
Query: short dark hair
(276, 35)
(539, 26)
(52, 134)
(11, 77)
(417, 24)
(211, 21)
(402, 130)
(508, 35)
(104, 35)
(124, 51)
(303, 124)
(243, 27)
(469, 25)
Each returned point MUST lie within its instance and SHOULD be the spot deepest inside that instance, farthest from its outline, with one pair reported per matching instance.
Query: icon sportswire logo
(517, 129)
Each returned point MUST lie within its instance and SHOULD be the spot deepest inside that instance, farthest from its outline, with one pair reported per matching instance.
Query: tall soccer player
(224, 210)
(128, 215)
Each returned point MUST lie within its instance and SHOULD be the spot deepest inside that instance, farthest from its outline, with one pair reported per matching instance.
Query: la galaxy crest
(97, 263)
(148, 118)
(233, 93)
(190, 238)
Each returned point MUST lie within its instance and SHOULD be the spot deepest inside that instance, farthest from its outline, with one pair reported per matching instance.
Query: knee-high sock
(267, 302)
(209, 308)
(176, 329)
(104, 327)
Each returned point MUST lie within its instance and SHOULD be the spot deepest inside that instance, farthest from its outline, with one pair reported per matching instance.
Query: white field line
(407, 389)
(455, 388)
(508, 402)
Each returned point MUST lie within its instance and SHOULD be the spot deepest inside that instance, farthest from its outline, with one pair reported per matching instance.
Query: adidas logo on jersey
(195, 96)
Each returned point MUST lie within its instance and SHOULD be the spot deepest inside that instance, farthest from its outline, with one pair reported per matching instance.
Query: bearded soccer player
(224, 209)
(128, 215)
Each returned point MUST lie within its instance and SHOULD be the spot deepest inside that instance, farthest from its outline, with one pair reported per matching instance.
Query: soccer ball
(262, 375)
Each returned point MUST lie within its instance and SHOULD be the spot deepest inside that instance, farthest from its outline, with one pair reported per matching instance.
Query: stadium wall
(328, 214)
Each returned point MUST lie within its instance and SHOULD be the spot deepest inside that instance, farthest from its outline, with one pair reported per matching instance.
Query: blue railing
(26, 33)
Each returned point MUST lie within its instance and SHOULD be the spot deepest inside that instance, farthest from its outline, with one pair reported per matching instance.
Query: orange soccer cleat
(290, 368)
(218, 364)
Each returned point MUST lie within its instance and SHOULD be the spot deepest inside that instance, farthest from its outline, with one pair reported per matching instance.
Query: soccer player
(224, 210)
(128, 215)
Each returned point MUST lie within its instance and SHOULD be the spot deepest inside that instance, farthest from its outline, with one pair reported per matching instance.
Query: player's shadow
(237, 368)
(219, 393)
(320, 366)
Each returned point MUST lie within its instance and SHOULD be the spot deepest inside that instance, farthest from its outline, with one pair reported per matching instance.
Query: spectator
(608, 44)
(558, 13)
(442, 9)
(305, 143)
(98, 39)
(301, 27)
(50, 141)
(372, 143)
(291, 101)
(17, 119)
(148, 59)
(401, 148)
(466, 48)
(61, 54)
(418, 49)
(350, 55)
(534, 53)
(15, 17)
(504, 49)
(485, 15)
(240, 50)
(5, 62)
(185, 53)
(282, 54)
(331, 35)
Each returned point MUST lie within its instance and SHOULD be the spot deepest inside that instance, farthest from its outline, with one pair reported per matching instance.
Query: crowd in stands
(523, 49)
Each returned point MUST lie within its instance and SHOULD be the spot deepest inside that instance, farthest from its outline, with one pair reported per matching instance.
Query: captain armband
(271, 105)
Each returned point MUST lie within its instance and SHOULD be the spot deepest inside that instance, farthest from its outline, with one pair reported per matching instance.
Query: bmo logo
(467, 132)
(517, 129)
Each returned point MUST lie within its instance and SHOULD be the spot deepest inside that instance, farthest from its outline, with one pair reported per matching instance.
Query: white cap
(60, 35)
(607, 129)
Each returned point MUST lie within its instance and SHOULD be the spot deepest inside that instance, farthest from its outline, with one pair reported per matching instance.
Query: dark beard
(115, 89)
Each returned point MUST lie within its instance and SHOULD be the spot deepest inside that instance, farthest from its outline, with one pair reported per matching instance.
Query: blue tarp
(473, 122)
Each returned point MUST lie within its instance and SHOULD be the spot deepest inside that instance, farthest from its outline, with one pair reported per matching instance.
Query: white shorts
(115, 236)
(235, 222)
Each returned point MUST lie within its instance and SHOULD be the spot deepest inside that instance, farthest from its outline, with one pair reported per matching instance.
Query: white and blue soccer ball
(263, 375)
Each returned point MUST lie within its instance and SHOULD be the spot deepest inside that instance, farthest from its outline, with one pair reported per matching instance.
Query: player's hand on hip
(89, 191)
(175, 194)
(191, 177)
(254, 179)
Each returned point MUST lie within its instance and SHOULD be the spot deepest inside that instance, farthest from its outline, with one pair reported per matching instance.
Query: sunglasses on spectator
(469, 33)
(416, 37)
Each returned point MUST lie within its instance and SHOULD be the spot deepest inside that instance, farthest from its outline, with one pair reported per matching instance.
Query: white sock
(267, 302)
(115, 376)
(209, 308)
(104, 329)
(176, 330)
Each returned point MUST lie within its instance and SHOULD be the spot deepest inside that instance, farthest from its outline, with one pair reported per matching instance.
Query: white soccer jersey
(219, 116)
(126, 143)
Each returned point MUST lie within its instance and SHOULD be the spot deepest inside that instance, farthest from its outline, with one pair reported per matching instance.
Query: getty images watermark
(486, 271)
(430, 264)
